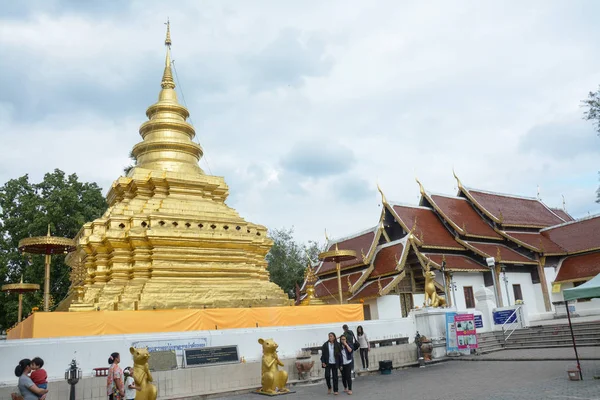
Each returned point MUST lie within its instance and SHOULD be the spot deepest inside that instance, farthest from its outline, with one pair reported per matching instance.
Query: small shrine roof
(563, 214)
(363, 243)
(462, 216)
(371, 288)
(578, 268)
(510, 210)
(534, 241)
(456, 262)
(576, 236)
(506, 254)
(425, 226)
(329, 287)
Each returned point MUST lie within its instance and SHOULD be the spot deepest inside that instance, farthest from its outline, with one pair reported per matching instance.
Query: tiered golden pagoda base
(64, 324)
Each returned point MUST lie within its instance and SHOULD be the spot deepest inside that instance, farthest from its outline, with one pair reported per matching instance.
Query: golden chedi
(168, 240)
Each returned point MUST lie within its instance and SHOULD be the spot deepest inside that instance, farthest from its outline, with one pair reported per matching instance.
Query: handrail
(516, 322)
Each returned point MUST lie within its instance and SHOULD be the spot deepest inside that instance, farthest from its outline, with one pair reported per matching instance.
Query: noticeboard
(210, 356)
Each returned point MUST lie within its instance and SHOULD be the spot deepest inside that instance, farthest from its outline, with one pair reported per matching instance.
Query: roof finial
(383, 199)
(457, 180)
(167, 79)
(326, 236)
(421, 188)
(48, 234)
(564, 203)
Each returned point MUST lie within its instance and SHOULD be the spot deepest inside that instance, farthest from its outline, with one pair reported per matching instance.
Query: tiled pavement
(466, 380)
(559, 353)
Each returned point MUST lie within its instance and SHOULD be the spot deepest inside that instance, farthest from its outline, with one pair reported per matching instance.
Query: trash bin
(385, 367)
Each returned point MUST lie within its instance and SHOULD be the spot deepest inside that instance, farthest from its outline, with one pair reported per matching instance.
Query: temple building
(168, 240)
(537, 251)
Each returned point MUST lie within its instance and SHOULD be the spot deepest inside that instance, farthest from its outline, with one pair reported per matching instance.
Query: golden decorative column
(20, 288)
(46, 245)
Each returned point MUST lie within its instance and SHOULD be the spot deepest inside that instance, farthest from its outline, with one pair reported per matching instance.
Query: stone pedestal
(431, 322)
(485, 304)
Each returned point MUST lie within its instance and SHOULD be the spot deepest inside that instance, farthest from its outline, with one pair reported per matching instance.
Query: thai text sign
(503, 316)
(211, 355)
(466, 334)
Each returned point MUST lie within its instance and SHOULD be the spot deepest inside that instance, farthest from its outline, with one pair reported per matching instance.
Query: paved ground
(526, 380)
(559, 353)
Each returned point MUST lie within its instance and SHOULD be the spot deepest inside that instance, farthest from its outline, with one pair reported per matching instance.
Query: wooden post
(542, 274)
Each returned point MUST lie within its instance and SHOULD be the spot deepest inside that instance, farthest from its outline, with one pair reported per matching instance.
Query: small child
(129, 384)
(38, 374)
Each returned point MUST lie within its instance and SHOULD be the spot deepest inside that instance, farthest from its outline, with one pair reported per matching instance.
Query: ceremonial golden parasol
(20, 288)
(47, 245)
(338, 256)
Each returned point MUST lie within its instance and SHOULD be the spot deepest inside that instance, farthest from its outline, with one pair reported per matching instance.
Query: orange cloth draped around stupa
(64, 324)
(168, 240)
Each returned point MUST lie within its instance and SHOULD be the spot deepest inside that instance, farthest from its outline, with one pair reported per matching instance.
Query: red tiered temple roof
(388, 257)
(534, 241)
(512, 210)
(563, 214)
(427, 227)
(507, 254)
(360, 243)
(578, 236)
(329, 287)
(579, 268)
(456, 262)
(459, 213)
(371, 288)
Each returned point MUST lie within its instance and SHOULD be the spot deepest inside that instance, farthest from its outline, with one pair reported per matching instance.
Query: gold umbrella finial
(167, 79)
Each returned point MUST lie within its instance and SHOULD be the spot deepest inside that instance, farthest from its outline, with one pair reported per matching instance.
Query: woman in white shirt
(346, 364)
(364, 347)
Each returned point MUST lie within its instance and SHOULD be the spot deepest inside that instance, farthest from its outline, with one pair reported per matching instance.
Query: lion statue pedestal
(273, 380)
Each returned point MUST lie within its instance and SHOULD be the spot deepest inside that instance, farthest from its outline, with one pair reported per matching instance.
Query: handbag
(355, 345)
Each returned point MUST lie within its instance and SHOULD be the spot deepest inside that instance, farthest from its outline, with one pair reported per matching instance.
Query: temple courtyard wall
(93, 351)
(204, 381)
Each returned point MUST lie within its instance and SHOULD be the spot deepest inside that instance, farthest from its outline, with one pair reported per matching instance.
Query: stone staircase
(548, 336)
(489, 342)
(541, 337)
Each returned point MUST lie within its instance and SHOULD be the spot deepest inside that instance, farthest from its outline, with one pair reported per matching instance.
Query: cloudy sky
(305, 105)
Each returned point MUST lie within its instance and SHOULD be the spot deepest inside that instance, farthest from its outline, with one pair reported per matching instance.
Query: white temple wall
(528, 289)
(388, 307)
(462, 279)
(93, 351)
(582, 308)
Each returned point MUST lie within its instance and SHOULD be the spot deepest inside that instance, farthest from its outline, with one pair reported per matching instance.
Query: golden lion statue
(141, 375)
(432, 299)
(273, 381)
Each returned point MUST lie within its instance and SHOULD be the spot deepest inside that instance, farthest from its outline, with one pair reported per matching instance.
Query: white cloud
(402, 90)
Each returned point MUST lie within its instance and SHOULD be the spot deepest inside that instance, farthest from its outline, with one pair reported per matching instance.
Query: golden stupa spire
(168, 144)
(167, 79)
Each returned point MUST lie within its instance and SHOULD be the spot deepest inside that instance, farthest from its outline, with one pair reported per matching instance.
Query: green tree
(26, 209)
(288, 259)
(592, 113)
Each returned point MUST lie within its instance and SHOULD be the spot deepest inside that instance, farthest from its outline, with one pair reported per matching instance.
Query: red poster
(466, 333)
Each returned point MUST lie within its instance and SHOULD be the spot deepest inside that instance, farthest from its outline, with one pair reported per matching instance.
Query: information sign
(451, 342)
(210, 356)
(466, 333)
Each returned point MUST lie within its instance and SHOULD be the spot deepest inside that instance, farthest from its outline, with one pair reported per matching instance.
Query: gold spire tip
(48, 234)
(421, 188)
(168, 38)
(383, 199)
(167, 79)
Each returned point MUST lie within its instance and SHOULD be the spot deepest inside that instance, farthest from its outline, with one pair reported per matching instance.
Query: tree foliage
(26, 209)
(288, 259)
(592, 113)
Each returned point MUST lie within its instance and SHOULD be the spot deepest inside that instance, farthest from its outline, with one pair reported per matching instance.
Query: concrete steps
(550, 336)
